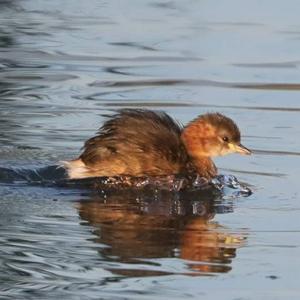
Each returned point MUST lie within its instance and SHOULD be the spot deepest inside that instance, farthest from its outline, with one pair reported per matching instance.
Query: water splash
(227, 186)
(231, 187)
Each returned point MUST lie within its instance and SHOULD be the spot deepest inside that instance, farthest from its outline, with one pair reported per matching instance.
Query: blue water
(63, 64)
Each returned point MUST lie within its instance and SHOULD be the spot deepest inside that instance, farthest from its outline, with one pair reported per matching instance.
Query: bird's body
(148, 143)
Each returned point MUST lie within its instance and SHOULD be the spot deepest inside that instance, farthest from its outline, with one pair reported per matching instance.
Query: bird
(141, 142)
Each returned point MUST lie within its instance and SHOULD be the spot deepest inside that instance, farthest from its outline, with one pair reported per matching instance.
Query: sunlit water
(65, 63)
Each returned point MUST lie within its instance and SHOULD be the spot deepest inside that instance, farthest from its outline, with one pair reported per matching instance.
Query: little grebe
(139, 142)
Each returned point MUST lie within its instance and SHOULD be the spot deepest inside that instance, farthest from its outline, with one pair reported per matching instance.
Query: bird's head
(212, 134)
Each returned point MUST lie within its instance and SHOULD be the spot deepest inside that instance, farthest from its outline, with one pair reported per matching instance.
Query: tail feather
(75, 168)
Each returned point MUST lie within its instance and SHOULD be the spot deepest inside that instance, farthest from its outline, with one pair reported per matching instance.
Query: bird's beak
(242, 149)
(239, 148)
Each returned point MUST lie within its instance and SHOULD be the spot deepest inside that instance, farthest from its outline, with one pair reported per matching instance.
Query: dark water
(65, 63)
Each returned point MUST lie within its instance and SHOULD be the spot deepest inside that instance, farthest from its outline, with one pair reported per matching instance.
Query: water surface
(63, 64)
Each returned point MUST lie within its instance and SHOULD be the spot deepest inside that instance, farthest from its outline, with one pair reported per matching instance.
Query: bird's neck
(197, 147)
(204, 166)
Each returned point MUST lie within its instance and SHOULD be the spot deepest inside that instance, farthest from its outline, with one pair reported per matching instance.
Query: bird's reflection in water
(136, 228)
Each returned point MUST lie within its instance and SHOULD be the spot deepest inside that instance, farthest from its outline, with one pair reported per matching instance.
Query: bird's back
(136, 143)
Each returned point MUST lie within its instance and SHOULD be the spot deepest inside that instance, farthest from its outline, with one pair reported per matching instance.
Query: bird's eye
(225, 139)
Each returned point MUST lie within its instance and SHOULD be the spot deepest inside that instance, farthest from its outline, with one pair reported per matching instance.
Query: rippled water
(65, 63)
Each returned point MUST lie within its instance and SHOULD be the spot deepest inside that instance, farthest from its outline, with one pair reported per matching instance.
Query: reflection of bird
(209, 242)
(135, 227)
(147, 143)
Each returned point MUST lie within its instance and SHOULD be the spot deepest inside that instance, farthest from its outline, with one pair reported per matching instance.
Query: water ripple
(197, 82)
(272, 152)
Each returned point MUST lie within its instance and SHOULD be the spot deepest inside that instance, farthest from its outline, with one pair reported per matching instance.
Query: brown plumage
(139, 142)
